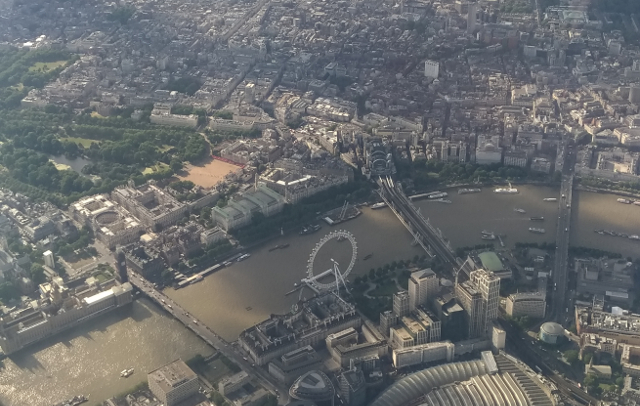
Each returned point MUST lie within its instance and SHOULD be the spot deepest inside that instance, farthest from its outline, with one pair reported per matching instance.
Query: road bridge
(229, 350)
(559, 310)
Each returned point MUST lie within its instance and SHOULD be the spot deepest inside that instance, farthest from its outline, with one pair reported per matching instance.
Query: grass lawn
(388, 289)
(160, 166)
(46, 66)
(165, 148)
(608, 387)
(102, 276)
(85, 142)
(17, 87)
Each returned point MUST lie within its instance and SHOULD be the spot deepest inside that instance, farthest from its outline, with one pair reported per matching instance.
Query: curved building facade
(313, 386)
(551, 332)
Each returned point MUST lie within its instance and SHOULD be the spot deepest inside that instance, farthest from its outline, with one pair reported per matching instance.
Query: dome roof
(553, 328)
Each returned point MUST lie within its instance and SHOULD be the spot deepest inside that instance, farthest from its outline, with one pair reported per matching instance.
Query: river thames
(88, 359)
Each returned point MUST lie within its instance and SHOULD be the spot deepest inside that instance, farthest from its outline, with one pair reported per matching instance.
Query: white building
(423, 285)
(239, 212)
(420, 354)
(49, 259)
(431, 69)
(498, 338)
(488, 284)
(173, 383)
(176, 120)
(488, 150)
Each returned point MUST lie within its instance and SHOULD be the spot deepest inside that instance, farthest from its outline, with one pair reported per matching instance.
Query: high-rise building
(634, 94)
(431, 69)
(173, 383)
(423, 286)
(401, 303)
(388, 319)
(471, 301)
(472, 16)
(489, 286)
(352, 387)
(49, 259)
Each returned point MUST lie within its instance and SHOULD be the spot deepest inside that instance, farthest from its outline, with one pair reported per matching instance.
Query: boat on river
(125, 373)
(505, 190)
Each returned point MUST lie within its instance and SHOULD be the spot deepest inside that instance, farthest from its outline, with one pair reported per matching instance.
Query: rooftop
(172, 375)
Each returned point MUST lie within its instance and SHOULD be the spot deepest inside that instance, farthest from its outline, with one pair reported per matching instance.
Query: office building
(634, 94)
(352, 387)
(401, 303)
(399, 337)
(472, 16)
(629, 359)
(530, 304)
(314, 386)
(173, 383)
(430, 322)
(423, 286)
(153, 206)
(291, 365)
(431, 69)
(315, 319)
(231, 384)
(422, 354)
(388, 319)
(452, 317)
(471, 301)
(49, 259)
(609, 278)
(344, 355)
(488, 284)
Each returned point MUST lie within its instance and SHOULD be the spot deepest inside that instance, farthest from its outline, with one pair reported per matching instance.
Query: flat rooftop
(172, 375)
